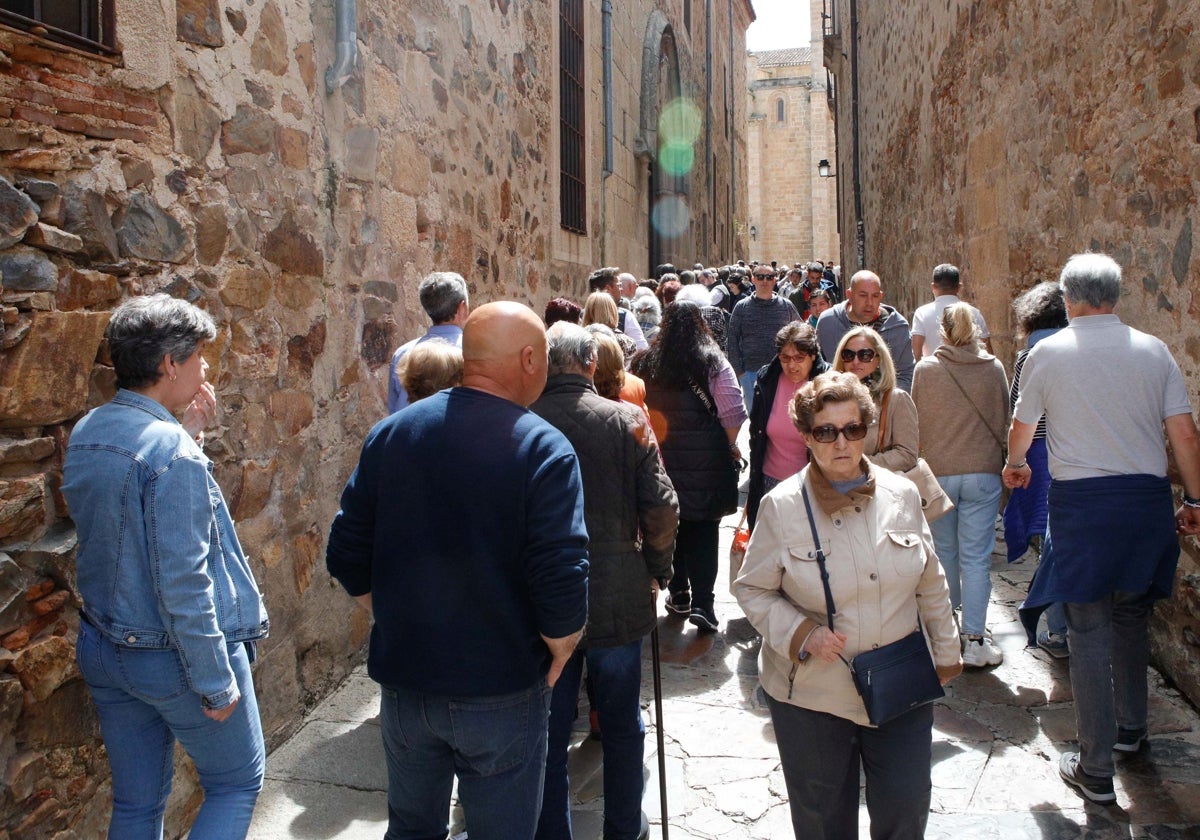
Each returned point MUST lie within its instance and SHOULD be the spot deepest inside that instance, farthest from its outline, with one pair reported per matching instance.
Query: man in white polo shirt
(926, 331)
(1109, 392)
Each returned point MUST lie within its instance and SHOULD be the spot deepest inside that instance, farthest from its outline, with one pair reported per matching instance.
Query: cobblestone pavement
(997, 738)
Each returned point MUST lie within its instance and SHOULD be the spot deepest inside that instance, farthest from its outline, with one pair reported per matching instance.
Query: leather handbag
(934, 502)
(892, 679)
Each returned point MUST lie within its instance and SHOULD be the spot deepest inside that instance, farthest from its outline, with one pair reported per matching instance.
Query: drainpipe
(607, 168)
(346, 14)
(606, 16)
(860, 233)
(730, 233)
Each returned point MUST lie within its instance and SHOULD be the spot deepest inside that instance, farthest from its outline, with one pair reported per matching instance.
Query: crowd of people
(596, 447)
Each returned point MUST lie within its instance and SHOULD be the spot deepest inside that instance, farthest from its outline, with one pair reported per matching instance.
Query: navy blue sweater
(464, 520)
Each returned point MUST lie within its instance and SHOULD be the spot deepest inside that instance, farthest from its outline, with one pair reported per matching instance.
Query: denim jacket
(159, 565)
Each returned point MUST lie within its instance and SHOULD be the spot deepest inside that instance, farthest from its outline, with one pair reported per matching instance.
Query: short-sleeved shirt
(926, 322)
(1105, 389)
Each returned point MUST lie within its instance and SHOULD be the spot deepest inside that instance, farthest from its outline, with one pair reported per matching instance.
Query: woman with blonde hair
(430, 367)
(600, 308)
(961, 394)
(893, 443)
(611, 380)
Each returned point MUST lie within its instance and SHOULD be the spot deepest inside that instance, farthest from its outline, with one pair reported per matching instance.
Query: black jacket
(626, 493)
(765, 386)
(696, 452)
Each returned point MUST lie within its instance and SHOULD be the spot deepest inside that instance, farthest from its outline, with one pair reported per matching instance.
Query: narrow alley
(997, 738)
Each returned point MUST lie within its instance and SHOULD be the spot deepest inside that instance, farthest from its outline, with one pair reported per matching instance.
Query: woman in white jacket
(883, 574)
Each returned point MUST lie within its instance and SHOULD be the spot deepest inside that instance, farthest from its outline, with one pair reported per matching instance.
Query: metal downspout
(730, 232)
(859, 225)
(607, 168)
(346, 18)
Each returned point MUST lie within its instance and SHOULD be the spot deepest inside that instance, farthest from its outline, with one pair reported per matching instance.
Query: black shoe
(704, 618)
(1130, 740)
(680, 603)
(1093, 787)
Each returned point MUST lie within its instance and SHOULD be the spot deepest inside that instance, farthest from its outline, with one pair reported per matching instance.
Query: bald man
(463, 528)
(864, 306)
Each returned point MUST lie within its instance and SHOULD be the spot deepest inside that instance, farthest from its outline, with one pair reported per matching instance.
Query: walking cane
(658, 718)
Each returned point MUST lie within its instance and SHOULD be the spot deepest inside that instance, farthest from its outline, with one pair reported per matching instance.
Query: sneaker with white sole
(1093, 787)
(680, 603)
(1054, 644)
(980, 652)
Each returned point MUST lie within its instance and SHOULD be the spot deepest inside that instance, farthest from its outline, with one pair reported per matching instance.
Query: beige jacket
(899, 448)
(882, 571)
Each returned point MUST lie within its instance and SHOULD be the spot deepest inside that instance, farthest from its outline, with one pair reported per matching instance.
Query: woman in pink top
(777, 449)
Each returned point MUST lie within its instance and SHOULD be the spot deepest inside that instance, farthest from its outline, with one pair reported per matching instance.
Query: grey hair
(694, 294)
(144, 330)
(572, 349)
(647, 308)
(1093, 279)
(440, 293)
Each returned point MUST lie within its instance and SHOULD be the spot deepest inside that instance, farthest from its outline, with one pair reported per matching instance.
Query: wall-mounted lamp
(753, 232)
(823, 169)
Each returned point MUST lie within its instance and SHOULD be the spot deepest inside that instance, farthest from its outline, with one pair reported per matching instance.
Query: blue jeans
(144, 704)
(822, 754)
(496, 746)
(1110, 652)
(616, 677)
(964, 539)
(747, 381)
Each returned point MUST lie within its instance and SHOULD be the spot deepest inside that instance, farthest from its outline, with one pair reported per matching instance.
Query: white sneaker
(981, 652)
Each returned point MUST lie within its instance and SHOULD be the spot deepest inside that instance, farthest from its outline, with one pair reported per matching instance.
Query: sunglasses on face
(764, 276)
(864, 355)
(828, 434)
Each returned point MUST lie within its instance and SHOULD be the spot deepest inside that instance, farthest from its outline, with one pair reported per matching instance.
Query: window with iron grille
(571, 176)
(86, 24)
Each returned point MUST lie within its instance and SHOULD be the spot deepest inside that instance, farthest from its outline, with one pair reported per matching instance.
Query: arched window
(779, 110)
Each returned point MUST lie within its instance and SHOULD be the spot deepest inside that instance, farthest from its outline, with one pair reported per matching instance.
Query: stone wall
(792, 208)
(1005, 137)
(209, 161)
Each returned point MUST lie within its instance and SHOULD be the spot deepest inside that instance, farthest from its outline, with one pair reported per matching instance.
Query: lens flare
(676, 158)
(680, 122)
(670, 216)
(679, 127)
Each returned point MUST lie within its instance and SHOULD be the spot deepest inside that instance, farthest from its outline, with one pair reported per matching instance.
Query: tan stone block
(82, 289)
(292, 411)
(293, 147)
(247, 287)
(297, 292)
(398, 222)
(254, 491)
(409, 166)
(34, 393)
(45, 665)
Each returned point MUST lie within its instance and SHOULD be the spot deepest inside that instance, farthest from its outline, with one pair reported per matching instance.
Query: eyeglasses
(828, 434)
(758, 276)
(794, 359)
(864, 355)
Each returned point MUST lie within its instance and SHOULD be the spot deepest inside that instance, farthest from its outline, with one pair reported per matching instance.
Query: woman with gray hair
(171, 610)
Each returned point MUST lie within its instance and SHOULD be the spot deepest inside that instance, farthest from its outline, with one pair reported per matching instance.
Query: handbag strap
(703, 395)
(1002, 444)
(883, 407)
(820, 555)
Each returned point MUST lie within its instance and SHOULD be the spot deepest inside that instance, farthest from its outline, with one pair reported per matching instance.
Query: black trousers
(821, 756)
(695, 564)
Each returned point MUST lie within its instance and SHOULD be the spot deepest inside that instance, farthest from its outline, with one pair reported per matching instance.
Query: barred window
(572, 186)
(86, 24)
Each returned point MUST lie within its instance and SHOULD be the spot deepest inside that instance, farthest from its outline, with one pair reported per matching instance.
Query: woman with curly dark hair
(696, 410)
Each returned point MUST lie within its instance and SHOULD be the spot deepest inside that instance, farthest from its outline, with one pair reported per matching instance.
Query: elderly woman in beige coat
(883, 574)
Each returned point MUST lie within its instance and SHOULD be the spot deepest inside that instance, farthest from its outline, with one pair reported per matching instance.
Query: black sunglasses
(864, 355)
(828, 434)
(764, 276)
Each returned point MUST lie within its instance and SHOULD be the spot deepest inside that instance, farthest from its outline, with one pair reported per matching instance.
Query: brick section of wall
(43, 86)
